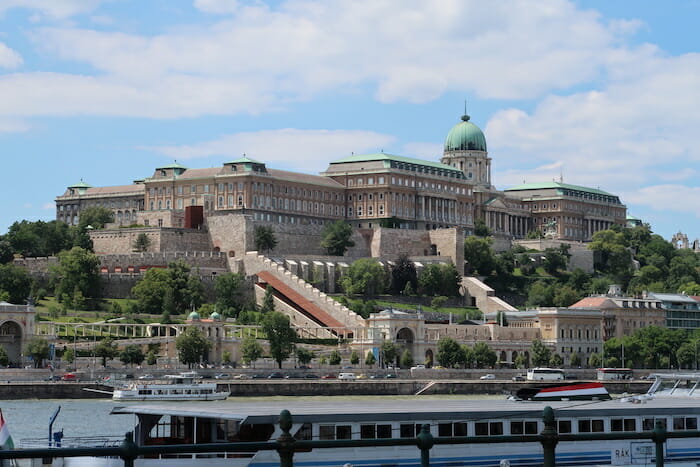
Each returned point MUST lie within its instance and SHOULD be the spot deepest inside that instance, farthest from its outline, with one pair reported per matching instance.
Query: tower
(465, 149)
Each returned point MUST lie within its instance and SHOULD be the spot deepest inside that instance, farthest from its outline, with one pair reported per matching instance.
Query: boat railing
(72, 442)
(286, 445)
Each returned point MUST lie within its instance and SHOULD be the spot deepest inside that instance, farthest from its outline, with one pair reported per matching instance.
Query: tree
(365, 276)
(132, 355)
(96, 217)
(226, 356)
(406, 360)
(554, 260)
(173, 290)
(151, 357)
(388, 353)
(438, 302)
(38, 238)
(484, 357)
(565, 296)
(478, 255)
(16, 282)
(68, 356)
(370, 359)
(280, 334)
(142, 242)
(265, 239)
(354, 358)
(594, 361)
(251, 350)
(556, 361)
(192, 346)
(77, 271)
(575, 360)
(403, 274)
(106, 349)
(229, 289)
(304, 355)
(151, 291)
(268, 300)
(6, 253)
(335, 238)
(334, 358)
(449, 353)
(38, 349)
(520, 361)
(440, 279)
(481, 229)
(4, 358)
(540, 353)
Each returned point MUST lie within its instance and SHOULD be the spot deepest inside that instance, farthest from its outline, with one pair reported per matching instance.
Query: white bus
(614, 373)
(545, 374)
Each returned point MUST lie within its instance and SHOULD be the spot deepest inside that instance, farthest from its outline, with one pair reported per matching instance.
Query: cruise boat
(182, 387)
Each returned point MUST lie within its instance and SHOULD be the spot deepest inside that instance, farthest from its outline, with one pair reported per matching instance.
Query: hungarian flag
(5, 438)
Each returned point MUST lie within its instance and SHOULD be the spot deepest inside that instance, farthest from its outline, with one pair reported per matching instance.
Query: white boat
(182, 387)
(381, 418)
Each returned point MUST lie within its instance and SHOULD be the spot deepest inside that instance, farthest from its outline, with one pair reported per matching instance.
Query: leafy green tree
(554, 260)
(192, 346)
(354, 358)
(77, 271)
(251, 350)
(6, 253)
(226, 356)
(440, 279)
(304, 355)
(370, 359)
(556, 361)
(615, 257)
(38, 349)
(38, 238)
(449, 353)
(106, 349)
(16, 282)
(406, 360)
(594, 360)
(68, 356)
(364, 276)
(520, 361)
(265, 239)
(540, 354)
(96, 217)
(132, 355)
(541, 294)
(575, 360)
(484, 357)
(4, 358)
(335, 238)
(403, 274)
(151, 357)
(438, 302)
(481, 229)
(152, 289)
(280, 334)
(268, 300)
(388, 353)
(142, 242)
(334, 358)
(229, 290)
(565, 296)
(173, 290)
(479, 255)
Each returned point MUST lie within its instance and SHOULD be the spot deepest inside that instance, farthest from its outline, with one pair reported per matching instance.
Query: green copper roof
(175, 165)
(380, 156)
(81, 184)
(558, 185)
(465, 136)
(243, 159)
(630, 217)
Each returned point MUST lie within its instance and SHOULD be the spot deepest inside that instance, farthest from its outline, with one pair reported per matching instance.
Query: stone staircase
(255, 263)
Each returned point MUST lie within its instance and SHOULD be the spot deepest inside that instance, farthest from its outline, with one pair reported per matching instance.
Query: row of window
(492, 428)
(579, 333)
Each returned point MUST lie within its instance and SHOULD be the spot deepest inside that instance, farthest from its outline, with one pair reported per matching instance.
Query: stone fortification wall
(581, 256)
(390, 243)
(206, 261)
(121, 241)
(36, 265)
(120, 285)
(484, 297)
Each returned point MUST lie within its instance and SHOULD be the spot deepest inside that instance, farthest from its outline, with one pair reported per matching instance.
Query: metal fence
(286, 445)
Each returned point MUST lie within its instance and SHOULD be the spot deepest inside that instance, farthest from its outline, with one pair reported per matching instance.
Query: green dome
(194, 316)
(215, 316)
(465, 136)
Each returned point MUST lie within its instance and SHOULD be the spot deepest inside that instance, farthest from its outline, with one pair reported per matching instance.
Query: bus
(614, 373)
(545, 374)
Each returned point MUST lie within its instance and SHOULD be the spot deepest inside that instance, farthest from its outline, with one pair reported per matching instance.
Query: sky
(597, 93)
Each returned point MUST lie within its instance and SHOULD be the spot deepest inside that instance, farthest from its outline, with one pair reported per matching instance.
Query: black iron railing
(286, 445)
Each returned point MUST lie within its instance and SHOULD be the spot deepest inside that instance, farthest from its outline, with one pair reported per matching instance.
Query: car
(258, 376)
(275, 375)
(362, 376)
(488, 376)
(347, 376)
(329, 376)
(518, 378)
(241, 376)
(70, 377)
(418, 367)
(146, 376)
(222, 376)
(310, 376)
(304, 367)
(53, 378)
(390, 376)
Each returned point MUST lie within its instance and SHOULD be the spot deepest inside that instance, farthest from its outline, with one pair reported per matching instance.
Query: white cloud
(12, 125)
(293, 149)
(50, 206)
(429, 151)
(54, 9)
(302, 49)
(675, 198)
(9, 58)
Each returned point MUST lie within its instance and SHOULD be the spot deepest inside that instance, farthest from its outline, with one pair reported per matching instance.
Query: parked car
(488, 376)
(70, 377)
(275, 375)
(329, 376)
(53, 378)
(519, 378)
(418, 367)
(146, 376)
(391, 376)
(241, 376)
(222, 376)
(310, 376)
(347, 376)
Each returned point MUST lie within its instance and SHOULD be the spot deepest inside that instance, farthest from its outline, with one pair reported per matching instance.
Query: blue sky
(605, 94)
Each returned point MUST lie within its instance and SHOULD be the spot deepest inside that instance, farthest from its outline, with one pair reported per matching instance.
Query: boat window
(258, 432)
(384, 431)
(343, 432)
(590, 426)
(523, 427)
(409, 430)
(304, 432)
(452, 429)
(375, 431)
(226, 430)
(330, 432)
(685, 423)
(564, 426)
(326, 432)
(623, 424)
(649, 423)
(488, 428)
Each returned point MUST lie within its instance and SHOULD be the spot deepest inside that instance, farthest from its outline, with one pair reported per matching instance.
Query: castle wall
(390, 243)
(121, 241)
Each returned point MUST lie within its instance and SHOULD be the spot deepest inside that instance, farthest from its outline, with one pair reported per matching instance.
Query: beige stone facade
(16, 329)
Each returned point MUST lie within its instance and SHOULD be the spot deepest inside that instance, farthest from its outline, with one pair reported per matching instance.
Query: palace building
(368, 191)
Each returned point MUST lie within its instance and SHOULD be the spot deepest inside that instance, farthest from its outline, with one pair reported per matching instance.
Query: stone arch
(405, 336)
(11, 340)
(429, 358)
(503, 358)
